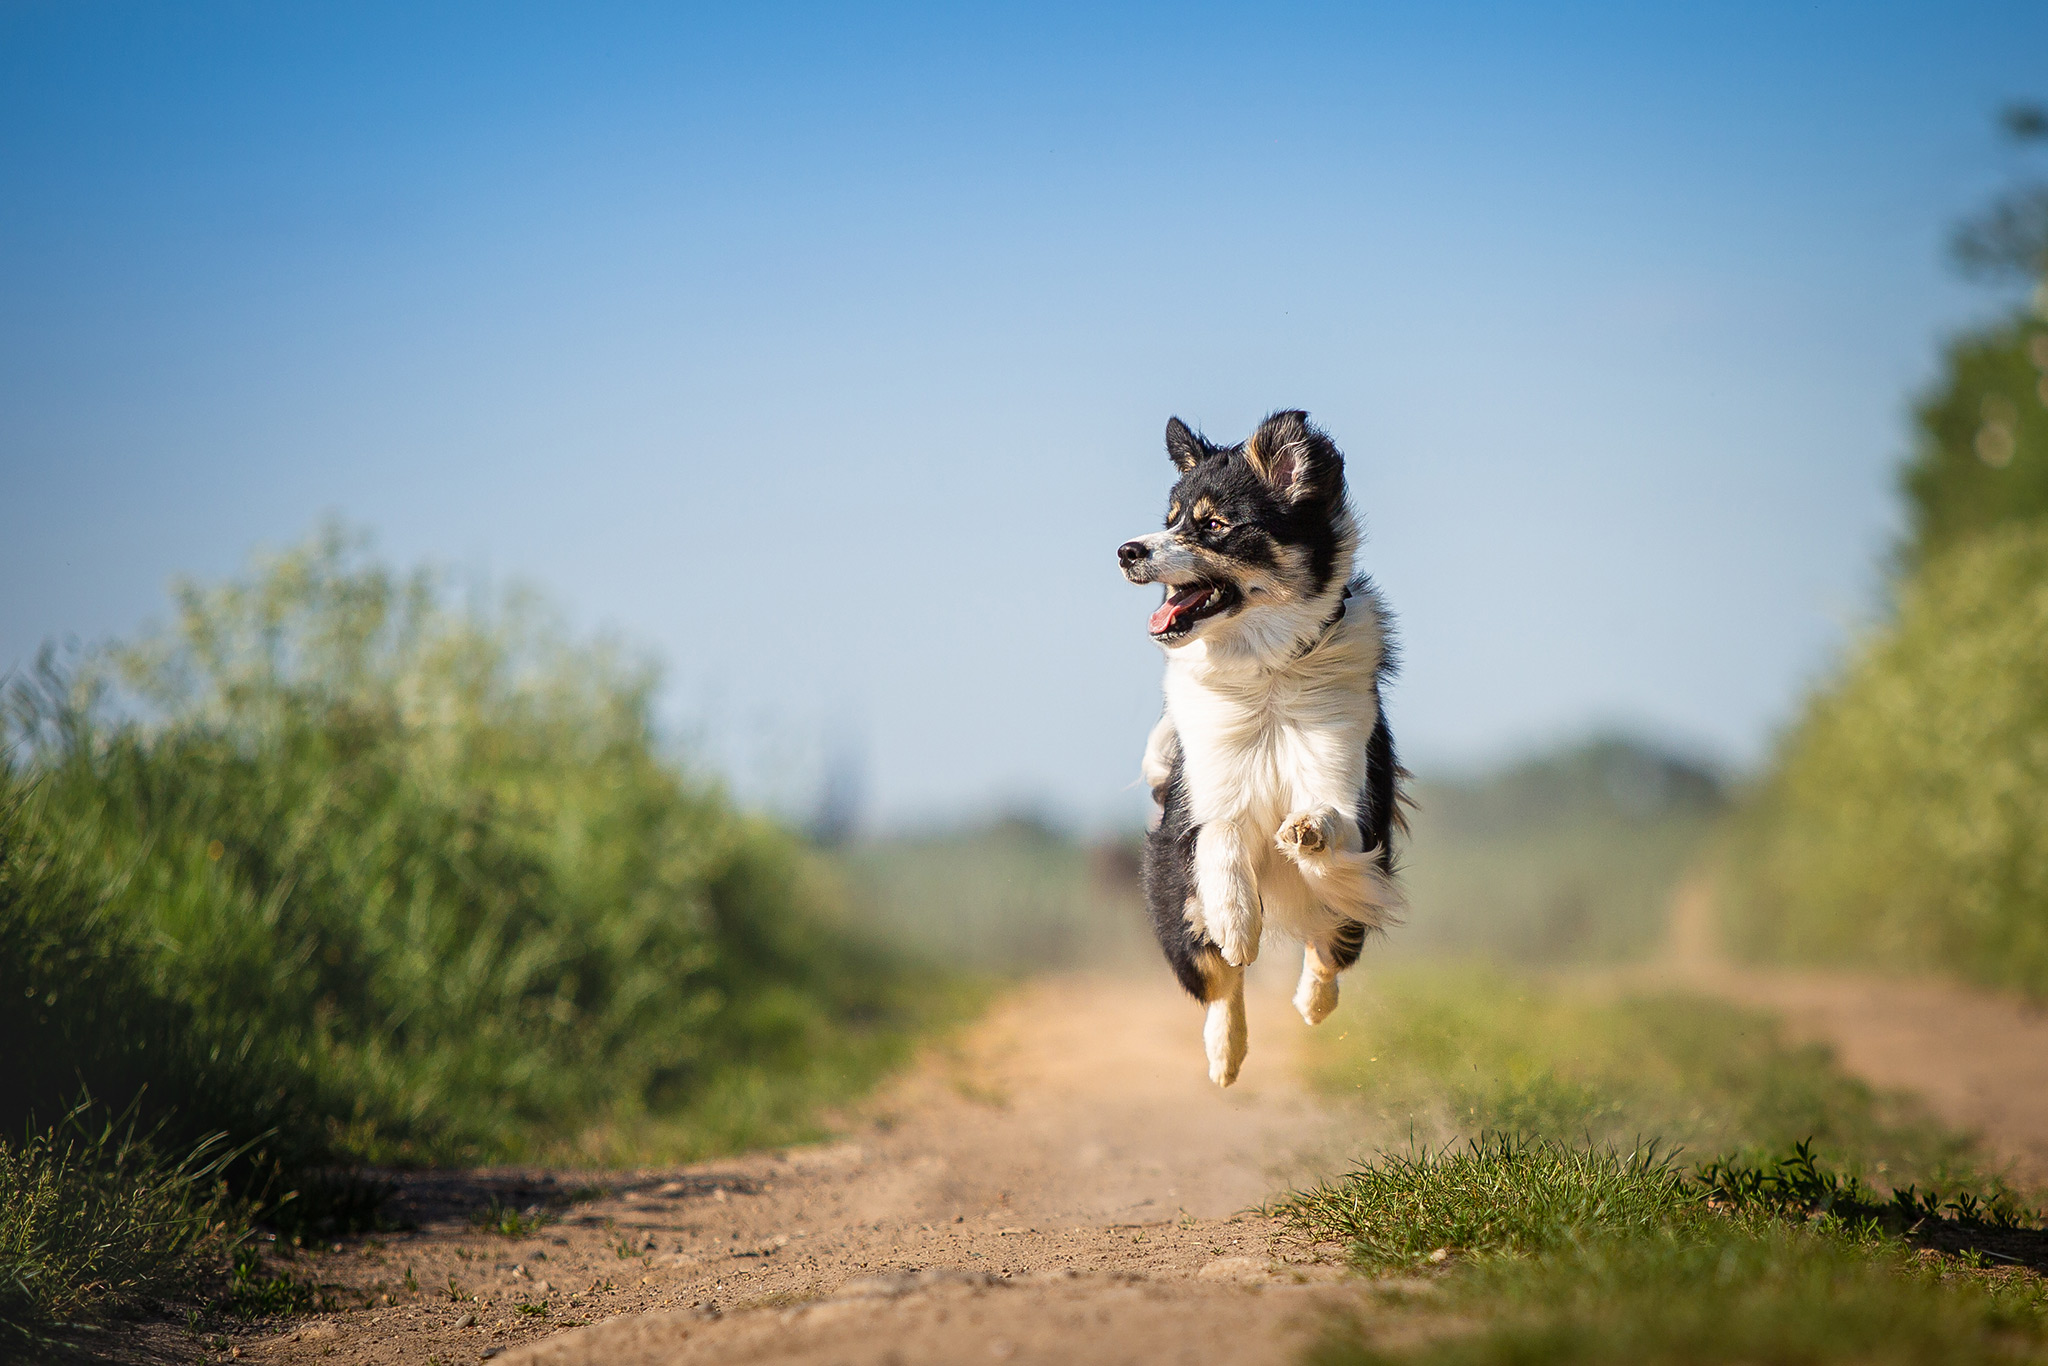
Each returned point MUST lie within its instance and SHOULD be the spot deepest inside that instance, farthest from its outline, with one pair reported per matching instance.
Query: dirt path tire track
(1064, 1185)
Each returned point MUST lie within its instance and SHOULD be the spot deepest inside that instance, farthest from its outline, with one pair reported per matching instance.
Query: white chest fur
(1258, 742)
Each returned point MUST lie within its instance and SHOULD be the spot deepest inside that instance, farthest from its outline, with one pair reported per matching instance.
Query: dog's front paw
(1237, 938)
(1306, 833)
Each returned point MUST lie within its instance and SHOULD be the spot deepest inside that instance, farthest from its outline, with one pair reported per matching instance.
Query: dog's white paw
(1225, 1038)
(1237, 939)
(1306, 833)
(1316, 997)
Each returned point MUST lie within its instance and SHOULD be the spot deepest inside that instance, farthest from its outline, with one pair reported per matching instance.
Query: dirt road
(1066, 1186)
(1063, 1186)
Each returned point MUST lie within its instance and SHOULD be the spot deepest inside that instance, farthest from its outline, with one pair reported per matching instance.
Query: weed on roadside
(92, 1216)
(1725, 1294)
(1579, 1254)
(509, 1221)
(253, 1291)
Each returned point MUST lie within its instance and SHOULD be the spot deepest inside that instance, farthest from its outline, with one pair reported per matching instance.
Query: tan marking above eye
(1203, 507)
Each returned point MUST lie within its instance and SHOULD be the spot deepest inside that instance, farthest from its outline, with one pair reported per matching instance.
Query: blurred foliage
(1568, 856)
(1981, 452)
(1981, 460)
(2009, 237)
(1015, 896)
(398, 880)
(1906, 820)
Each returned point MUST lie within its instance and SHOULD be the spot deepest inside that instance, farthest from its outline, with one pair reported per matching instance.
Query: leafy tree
(1981, 454)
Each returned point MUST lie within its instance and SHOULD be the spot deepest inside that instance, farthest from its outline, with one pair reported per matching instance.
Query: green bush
(1905, 822)
(397, 880)
(1981, 458)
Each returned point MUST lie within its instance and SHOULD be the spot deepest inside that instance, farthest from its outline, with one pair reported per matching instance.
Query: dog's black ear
(1183, 447)
(1297, 461)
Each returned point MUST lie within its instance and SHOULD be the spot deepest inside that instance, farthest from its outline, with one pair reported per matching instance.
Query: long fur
(1273, 762)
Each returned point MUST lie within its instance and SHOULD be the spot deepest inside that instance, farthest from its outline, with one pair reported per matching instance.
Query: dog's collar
(1323, 632)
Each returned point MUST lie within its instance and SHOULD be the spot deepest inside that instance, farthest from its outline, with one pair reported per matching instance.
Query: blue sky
(825, 352)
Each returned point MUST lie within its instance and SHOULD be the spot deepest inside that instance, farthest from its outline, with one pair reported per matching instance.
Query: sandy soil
(1063, 1185)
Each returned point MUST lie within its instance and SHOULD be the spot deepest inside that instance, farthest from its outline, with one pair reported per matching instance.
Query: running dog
(1273, 765)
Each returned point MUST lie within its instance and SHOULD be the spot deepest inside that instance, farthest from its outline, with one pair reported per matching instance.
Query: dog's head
(1257, 535)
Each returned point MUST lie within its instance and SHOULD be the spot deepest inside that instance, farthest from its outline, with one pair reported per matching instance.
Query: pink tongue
(1169, 611)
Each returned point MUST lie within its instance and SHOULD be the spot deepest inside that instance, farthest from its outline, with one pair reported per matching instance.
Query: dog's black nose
(1130, 552)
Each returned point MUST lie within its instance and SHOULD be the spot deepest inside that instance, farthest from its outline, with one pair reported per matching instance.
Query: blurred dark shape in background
(840, 795)
(1115, 866)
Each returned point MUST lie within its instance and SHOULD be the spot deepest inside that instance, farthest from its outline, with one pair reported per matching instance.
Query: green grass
(94, 1217)
(344, 871)
(1717, 1292)
(1905, 822)
(1597, 1177)
(1502, 1195)
(1444, 1052)
(509, 1221)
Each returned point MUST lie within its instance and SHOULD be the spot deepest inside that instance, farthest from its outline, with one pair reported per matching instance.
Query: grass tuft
(94, 1217)
(1498, 1195)
(509, 1221)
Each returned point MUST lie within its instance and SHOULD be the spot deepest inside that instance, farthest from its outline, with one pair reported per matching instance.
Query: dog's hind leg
(1225, 1036)
(1316, 995)
(1321, 961)
(1219, 986)
(1197, 963)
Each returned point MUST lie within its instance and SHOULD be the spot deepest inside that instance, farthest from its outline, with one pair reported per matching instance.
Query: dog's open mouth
(1188, 604)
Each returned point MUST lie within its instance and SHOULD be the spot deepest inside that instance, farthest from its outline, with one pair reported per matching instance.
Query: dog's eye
(1215, 526)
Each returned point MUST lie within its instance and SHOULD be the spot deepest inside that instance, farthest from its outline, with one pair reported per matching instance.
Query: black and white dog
(1273, 763)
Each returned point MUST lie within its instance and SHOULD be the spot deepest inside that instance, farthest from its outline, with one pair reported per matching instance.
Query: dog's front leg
(1162, 752)
(1229, 897)
(1325, 844)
